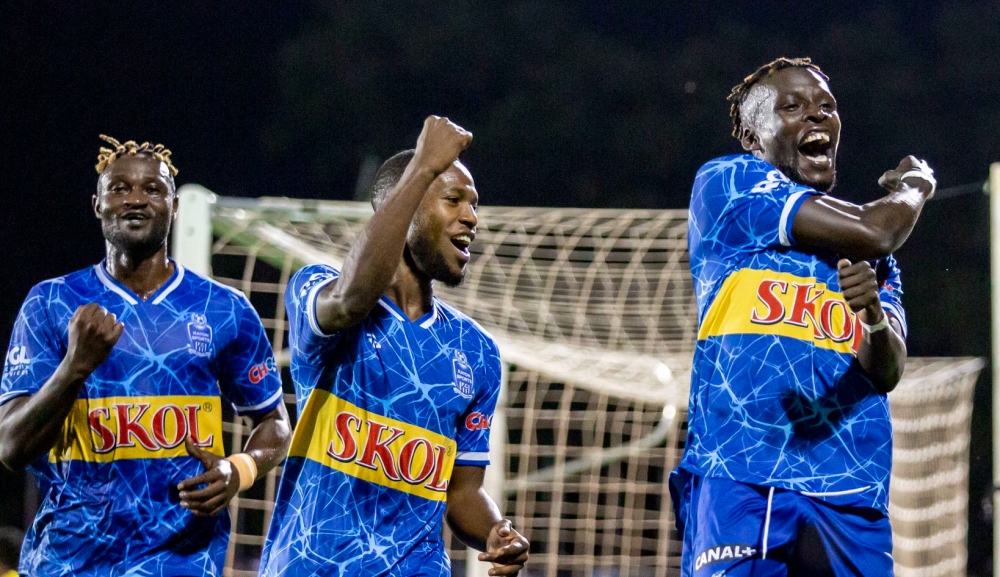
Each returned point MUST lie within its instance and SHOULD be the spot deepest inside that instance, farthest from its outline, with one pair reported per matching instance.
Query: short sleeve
(35, 349)
(746, 204)
(473, 437)
(305, 336)
(891, 290)
(248, 375)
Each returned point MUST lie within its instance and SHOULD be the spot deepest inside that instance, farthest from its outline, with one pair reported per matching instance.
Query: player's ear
(96, 202)
(749, 140)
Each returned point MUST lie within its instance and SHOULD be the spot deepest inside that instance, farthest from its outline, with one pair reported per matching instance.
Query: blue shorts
(732, 529)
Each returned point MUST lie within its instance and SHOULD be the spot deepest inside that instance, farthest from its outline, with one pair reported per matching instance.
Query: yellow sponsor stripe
(330, 426)
(764, 302)
(116, 428)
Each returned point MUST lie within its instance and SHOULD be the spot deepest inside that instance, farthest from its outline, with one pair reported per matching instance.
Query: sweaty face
(136, 203)
(444, 226)
(793, 123)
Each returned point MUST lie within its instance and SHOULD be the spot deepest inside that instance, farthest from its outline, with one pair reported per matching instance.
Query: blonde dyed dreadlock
(106, 156)
(739, 93)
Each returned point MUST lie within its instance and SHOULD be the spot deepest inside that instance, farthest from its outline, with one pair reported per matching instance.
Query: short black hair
(388, 175)
(739, 92)
(10, 546)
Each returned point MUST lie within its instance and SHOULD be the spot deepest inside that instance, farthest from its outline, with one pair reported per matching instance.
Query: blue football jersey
(109, 499)
(777, 395)
(386, 409)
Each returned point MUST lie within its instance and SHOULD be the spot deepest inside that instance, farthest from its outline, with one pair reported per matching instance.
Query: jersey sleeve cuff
(10, 396)
(472, 458)
(260, 408)
(311, 307)
(791, 207)
(898, 314)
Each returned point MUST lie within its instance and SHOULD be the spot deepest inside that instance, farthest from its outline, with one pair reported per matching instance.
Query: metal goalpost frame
(191, 242)
(994, 183)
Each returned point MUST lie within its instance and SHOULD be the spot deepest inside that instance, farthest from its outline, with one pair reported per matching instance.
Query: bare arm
(475, 519)
(882, 353)
(31, 425)
(374, 256)
(267, 446)
(269, 440)
(872, 230)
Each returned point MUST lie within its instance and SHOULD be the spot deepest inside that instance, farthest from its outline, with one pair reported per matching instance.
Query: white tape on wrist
(246, 466)
(883, 324)
(923, 176)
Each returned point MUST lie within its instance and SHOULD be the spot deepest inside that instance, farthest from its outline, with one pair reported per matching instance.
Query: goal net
(595, 317)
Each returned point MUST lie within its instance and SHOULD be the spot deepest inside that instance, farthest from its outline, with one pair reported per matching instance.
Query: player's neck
(143, 274)
(410, 291)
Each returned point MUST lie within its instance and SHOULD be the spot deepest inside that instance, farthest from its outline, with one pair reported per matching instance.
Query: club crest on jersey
(464, 383)
(17, 362)
(199, 336)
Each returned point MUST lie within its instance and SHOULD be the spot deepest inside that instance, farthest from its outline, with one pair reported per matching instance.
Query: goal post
(595, 317)
(994, 190)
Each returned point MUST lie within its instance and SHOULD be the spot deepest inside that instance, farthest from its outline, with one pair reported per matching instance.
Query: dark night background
(572, 102)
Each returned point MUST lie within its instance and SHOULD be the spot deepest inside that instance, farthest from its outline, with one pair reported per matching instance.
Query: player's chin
(452, 278)
(134, 241)
(821, 176)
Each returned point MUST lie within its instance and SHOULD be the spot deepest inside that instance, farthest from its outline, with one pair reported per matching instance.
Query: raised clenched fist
(93, 332)
(440, 143)
(859, 285)
(920, 175)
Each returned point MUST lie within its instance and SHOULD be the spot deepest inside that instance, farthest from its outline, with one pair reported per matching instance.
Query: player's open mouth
(817, 148)
(462, 243)
(134, 217)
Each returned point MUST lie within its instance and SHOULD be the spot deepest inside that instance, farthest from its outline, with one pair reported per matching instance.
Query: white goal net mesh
(595, 317)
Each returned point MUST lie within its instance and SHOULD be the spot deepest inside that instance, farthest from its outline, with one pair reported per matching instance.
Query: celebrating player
(786, 469)
(111, 395)
(395, 389)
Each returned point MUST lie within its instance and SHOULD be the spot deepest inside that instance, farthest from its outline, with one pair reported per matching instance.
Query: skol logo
(125, 425)
(374, 448)
(107, 429)
(383, 447)
(765, 302)
(804, 304)
(477, 422)
(258, 372)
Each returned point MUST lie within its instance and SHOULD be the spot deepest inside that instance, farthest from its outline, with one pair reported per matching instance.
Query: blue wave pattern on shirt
(194, 337)
(768, 409)
(327, 522)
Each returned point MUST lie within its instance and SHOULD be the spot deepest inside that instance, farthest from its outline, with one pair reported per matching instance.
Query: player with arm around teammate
(801, 328)
(395, 389)
(112, 389)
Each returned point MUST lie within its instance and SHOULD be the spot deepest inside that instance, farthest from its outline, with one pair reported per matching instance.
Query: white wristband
(923, 176)
(882, 324)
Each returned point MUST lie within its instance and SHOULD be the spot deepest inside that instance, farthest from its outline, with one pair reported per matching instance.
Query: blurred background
(572, 102)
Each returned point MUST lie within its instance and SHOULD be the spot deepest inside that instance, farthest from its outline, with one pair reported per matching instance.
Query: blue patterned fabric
(386, 409)
(777, 395)
(109, 498)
